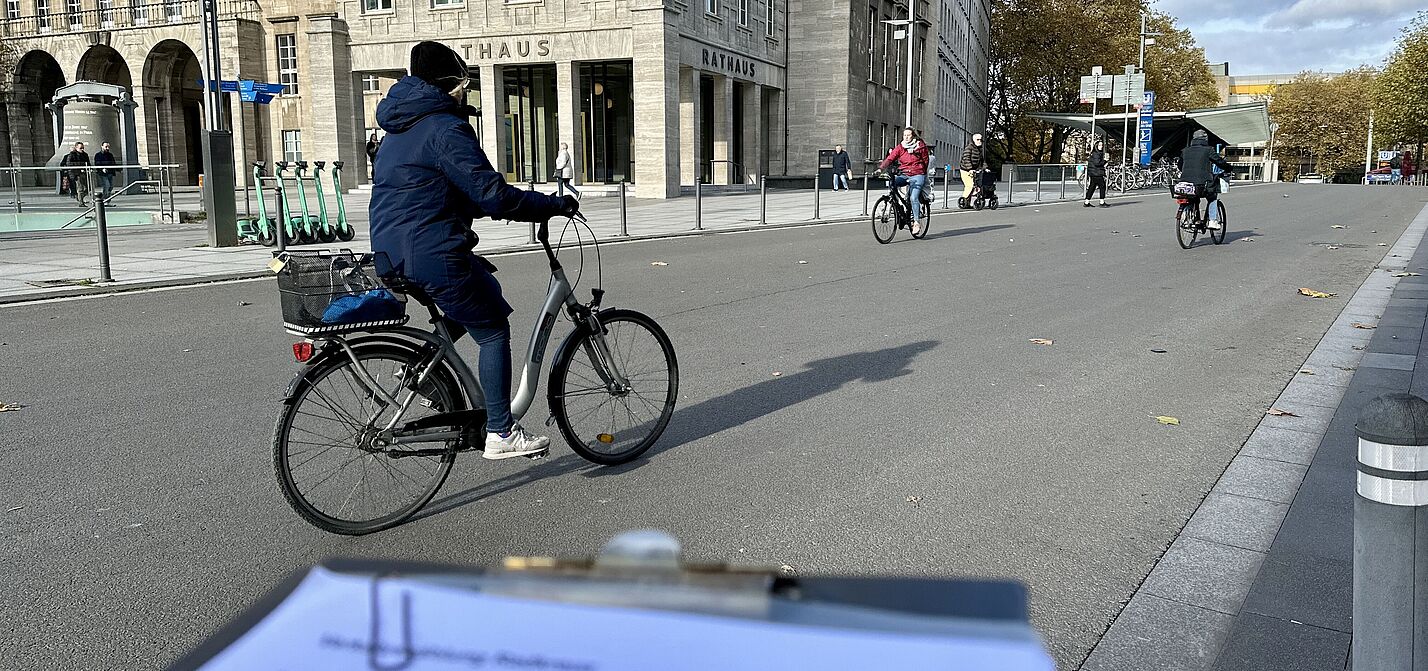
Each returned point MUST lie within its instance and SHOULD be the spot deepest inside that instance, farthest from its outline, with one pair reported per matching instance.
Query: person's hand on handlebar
(569, 207)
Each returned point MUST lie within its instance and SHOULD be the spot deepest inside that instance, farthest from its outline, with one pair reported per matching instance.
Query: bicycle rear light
(302, 351)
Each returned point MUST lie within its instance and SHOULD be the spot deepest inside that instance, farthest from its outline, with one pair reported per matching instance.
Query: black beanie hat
(436, 64)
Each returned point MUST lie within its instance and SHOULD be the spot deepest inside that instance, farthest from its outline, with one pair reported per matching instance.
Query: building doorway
(607, 119)
(32, 132)
(173, 110)
(529, 122)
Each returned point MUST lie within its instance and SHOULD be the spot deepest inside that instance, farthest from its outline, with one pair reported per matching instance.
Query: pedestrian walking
(75, 179)
(974, 161)
(564, 172)
(1408, 167)
(106, 175)
(842, 168)
(373, 144)
(1096, 174)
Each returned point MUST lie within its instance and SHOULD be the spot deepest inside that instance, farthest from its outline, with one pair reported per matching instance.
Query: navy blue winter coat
(429, 181)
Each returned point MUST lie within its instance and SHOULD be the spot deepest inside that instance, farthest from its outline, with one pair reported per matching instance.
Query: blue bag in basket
(369, 306)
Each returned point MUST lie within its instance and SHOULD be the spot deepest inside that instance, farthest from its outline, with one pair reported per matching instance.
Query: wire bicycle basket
(325, 292)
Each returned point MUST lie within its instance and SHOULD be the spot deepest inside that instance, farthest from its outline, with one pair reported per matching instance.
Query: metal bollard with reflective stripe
(1391, 536)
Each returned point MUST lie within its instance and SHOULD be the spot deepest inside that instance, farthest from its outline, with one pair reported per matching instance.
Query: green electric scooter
(267, 227)
(316, 228)
(297, 223)
(345, 232)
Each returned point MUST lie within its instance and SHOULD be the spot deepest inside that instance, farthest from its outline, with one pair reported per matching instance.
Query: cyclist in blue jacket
(429, 182)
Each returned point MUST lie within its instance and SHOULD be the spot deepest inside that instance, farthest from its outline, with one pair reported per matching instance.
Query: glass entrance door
(607, 113)
(529, 122)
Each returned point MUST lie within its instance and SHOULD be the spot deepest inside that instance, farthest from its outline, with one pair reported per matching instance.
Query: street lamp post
(219, 200)
(908, 25)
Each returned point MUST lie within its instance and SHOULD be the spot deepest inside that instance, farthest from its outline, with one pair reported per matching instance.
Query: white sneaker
(519, 443)
(1213, 225)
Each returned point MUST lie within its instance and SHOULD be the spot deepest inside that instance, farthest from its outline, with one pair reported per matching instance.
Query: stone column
(567, 93)
(774, 109)
(244, 62)
(723, 129)
(493, 111)
(690, 136)
(657, 89)
(330, 97)
(754, 133)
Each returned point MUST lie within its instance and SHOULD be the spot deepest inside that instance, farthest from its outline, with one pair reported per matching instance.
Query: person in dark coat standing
(373, 144)
(1096, 174)
(432, 182)
(1196, 166)
(842, 168)
(76, 179)
(106, 174)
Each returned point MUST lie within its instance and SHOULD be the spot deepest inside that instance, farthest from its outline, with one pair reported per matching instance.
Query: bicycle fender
(574, 336)
(332, 349)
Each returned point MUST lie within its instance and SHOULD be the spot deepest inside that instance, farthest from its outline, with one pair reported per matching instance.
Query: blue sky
(1287, 36)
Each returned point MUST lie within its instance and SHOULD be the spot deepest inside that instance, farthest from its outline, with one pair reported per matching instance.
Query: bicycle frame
(561, 296)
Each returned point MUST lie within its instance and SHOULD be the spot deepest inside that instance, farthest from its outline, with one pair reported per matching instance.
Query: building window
(769, 18)
(288, 63)
(76, 19)
(173, 9)
(872, 43)
(711, 7)
(743, 12)
(292, 146)
(139, 12)
(440, 4)
(42, 15)
(371, 84)
(370, 6)
(106, 13)
(12, 9)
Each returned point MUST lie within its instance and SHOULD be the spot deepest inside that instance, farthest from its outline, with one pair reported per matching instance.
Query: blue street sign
(1146, 125)
(236, 86)
(264, 98)
(246, 92)
(224, 85)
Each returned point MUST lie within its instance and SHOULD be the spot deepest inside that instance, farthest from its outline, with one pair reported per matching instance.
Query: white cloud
(1307, 13)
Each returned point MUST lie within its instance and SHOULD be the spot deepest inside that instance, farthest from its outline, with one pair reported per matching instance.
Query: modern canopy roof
(1232, 124)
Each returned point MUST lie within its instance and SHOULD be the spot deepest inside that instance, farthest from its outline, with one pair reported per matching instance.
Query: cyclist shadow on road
(954, 232)
(714, 416)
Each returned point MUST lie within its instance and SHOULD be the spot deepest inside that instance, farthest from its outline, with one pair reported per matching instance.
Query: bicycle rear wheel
(1218, 236)
(885, 216)
(333, 466)
(1185, 225)
(614, 427)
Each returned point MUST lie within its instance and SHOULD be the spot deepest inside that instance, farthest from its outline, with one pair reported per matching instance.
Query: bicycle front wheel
(1218, 236)
(604, 422)
(332, 463)
(885, 216)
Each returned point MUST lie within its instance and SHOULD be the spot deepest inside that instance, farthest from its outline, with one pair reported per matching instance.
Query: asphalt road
(913, 429)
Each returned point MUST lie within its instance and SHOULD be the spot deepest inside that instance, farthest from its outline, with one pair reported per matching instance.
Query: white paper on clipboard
(331, 620)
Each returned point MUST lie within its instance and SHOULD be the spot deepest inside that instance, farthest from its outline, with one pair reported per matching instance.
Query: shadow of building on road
(715, 416)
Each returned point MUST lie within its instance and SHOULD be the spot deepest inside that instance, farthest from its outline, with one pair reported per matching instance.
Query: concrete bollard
(532, 239)
(1063, 182)
(946, 189)
(1038, 183)
(867, 186)
(1390, 602)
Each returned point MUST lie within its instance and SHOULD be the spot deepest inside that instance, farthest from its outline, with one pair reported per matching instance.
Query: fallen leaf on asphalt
(1042, 341)
(1383, 244)
(1280, 413)
(1331, 247)
(1347, 368)
(1168, 420)
(786, 569)
(915, 500)
(802, 263)
(1306, 291)
(1405, 274)
(14, 509)
(659, 263)
(1248, 240)
(10, 407)
(1158, 351)
(243, 303)
(1305, 371)
(1358, 348)
(778, 374)
(1365, 327)
(1338, 226)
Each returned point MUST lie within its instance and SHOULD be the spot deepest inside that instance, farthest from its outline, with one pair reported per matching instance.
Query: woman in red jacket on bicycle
(911, 157)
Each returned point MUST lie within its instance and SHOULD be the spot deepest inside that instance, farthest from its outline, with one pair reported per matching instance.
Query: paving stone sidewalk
(1261, 576)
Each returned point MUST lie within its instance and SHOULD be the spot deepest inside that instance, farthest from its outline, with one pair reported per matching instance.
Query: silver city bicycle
(371, 425)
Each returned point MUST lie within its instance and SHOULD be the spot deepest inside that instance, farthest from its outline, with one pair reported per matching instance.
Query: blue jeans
(1212, 213)
(563, 183)
(916, 183)
(840, 181)
(494, 371)
(106, 184)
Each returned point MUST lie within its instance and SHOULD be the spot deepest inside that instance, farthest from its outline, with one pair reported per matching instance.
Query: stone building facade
(660, 93)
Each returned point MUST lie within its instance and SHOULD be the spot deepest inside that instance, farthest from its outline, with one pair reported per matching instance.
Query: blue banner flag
(1147, 123)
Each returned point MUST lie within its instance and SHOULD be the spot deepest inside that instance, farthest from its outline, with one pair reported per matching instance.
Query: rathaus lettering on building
(727, 63)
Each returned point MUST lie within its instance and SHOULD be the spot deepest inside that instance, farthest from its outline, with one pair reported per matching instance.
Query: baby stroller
(984, 192)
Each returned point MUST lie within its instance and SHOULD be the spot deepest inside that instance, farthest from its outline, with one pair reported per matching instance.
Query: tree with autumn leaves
(1400, 93)
(1042, 48)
